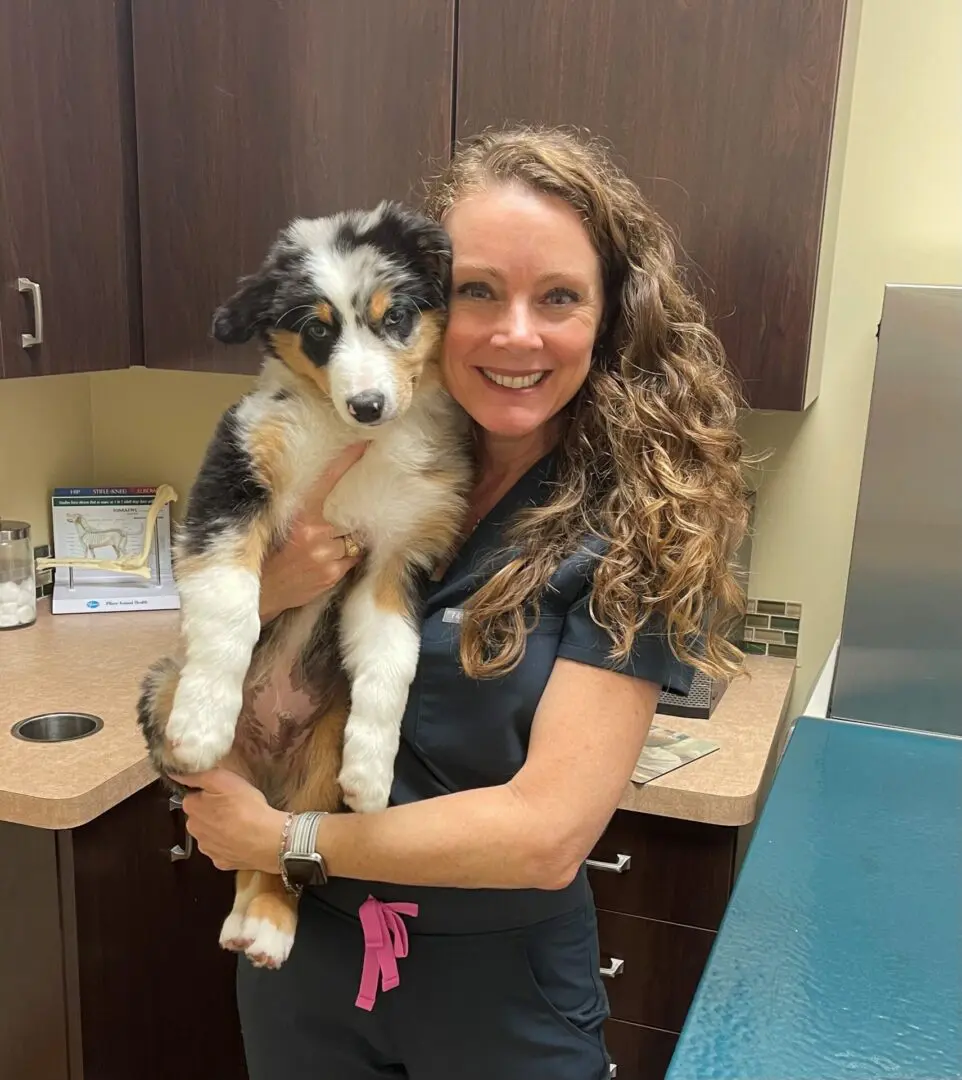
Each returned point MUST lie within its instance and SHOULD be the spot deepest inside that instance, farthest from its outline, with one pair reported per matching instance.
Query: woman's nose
(516, 329)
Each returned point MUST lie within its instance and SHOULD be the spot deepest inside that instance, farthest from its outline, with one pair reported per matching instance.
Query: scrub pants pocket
(563, 962)
(522, 1004)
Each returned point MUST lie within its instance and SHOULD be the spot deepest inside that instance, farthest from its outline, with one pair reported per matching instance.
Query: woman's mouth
(513, 382)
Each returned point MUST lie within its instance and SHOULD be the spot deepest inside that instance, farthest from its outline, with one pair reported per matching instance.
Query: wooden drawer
(638, 1053)
(661, 868)
(659, 970)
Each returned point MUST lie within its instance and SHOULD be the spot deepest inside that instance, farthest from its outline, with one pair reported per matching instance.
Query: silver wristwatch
(300, 863)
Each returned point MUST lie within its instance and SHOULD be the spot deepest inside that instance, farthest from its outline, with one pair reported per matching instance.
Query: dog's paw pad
(232, 933)
(269, 946)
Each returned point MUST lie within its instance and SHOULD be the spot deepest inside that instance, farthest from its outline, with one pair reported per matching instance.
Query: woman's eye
(562, 296)
(476, 290)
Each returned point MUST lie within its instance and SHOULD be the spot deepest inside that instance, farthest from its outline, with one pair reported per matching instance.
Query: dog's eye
(397, 317)
(317, 331)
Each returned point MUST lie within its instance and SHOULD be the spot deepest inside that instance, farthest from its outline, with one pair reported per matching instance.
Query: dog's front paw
(200, 731)
(363, 791)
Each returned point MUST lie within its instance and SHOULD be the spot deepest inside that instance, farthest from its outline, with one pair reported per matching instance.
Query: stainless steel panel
(900, 658)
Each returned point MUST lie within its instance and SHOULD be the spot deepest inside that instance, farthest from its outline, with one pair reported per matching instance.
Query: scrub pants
(517, 1003)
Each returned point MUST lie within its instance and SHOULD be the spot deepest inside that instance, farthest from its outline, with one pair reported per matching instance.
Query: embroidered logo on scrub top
(453, 614)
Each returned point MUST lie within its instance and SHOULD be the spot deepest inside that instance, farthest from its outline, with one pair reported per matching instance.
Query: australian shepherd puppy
(350, 311)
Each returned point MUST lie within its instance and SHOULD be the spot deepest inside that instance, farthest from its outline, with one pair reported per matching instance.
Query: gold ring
(351, 547)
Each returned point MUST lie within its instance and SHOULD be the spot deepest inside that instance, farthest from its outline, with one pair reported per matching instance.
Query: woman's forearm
(484, 838)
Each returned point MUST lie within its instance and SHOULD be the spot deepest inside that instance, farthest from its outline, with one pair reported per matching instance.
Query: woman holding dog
(609, 501)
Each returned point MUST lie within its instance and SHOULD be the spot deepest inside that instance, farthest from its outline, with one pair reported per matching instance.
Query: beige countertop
(94, 664)
(750, 724)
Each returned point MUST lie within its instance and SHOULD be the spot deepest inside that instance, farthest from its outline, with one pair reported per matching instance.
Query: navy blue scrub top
(459, 733)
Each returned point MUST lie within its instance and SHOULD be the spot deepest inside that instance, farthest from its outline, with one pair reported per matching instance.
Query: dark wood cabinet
(152, 148)
(639, 1053)
(67, 187)
(723, 112)
(251, 112)
(112, 968)
(661, 887)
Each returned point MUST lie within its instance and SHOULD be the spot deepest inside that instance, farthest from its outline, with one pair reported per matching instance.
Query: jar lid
(13, 530)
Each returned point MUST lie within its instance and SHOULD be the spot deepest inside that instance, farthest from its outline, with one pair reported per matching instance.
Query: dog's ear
(434, 251)
(247, 311)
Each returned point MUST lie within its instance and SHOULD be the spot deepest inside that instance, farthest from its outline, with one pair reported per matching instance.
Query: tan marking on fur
(378, 304)
(313, 785)
(287, 345)
(325, 313)
(272, 903)
(267, 446)
(390, 592)
(420, 364)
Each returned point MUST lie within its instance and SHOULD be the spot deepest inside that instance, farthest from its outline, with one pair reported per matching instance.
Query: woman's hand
(313, 559)
(232, 822)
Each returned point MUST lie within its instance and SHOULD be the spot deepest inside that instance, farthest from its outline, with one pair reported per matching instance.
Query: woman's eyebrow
(476, 268)
(485, 270)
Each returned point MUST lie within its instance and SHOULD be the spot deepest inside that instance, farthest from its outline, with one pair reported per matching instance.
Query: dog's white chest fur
(391, 489)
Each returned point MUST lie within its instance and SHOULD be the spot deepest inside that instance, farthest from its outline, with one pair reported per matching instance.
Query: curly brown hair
(650, 459)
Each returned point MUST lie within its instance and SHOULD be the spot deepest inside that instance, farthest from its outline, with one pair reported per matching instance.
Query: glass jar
(18, 582)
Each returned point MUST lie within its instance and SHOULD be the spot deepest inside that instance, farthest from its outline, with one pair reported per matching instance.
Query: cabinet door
(639, 1053)
(722, 111)
(155, 988)
(252, 112)
(66, 186)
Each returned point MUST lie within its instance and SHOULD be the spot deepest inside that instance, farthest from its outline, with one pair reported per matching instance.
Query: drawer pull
(185, 850)
(616, 967)
(619, 866)
(25, 285)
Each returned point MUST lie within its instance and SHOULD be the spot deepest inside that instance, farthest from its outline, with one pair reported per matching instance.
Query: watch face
(305, 869)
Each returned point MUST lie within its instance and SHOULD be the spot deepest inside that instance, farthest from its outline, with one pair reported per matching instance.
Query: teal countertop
(840, 955)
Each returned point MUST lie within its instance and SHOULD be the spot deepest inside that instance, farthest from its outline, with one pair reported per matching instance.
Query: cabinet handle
(178, 851)
(616, 967)
(619, 866)
(26, 285)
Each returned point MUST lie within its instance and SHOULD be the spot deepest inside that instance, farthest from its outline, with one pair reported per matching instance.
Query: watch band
(300, 863)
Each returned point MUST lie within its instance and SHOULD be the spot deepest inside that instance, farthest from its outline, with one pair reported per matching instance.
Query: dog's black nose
(367, 407)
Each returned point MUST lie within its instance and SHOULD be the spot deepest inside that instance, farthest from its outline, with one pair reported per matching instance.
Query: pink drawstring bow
(385, 940)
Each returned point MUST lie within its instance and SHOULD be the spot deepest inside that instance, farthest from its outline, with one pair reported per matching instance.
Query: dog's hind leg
(266, 931)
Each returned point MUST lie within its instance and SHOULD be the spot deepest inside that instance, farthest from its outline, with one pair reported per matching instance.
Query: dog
(349, 311)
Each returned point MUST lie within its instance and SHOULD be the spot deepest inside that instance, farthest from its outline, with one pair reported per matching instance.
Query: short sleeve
(651, 658)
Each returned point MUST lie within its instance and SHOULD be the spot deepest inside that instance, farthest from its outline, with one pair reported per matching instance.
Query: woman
(607, 506)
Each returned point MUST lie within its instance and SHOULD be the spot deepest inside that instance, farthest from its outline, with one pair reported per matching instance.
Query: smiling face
(526, 304)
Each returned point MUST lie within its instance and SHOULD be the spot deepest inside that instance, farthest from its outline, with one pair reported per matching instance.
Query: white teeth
(519, 382)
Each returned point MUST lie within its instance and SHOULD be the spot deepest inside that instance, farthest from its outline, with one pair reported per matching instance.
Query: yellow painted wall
(152, 427)
(900, 219)
(46, 440)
